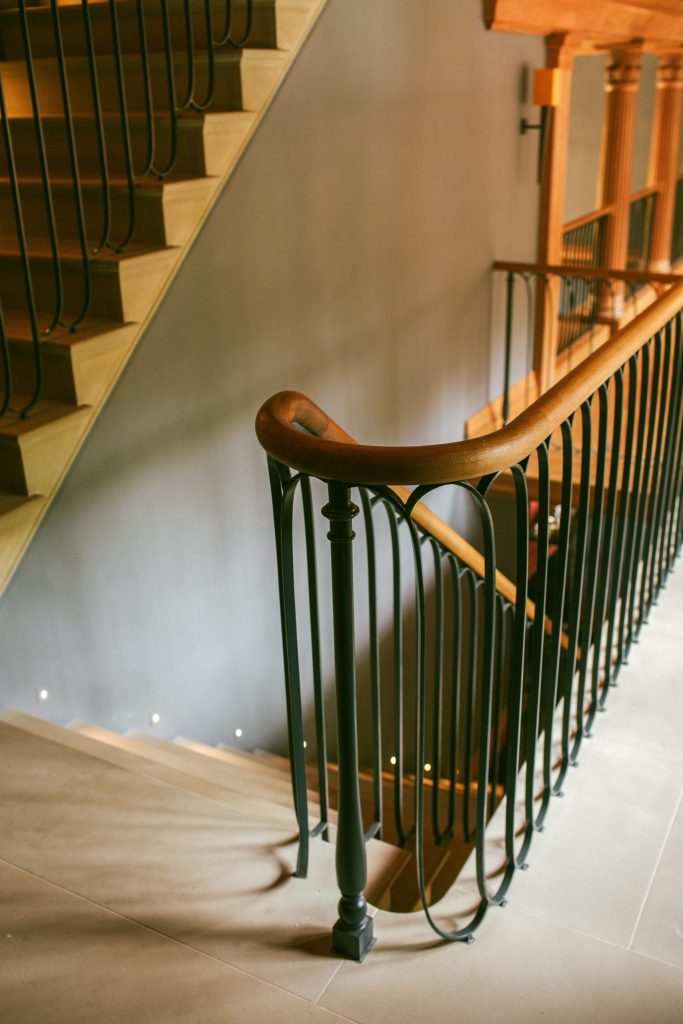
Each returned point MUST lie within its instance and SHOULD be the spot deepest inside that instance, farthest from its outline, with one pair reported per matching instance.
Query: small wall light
(547, 94)
(155, 718)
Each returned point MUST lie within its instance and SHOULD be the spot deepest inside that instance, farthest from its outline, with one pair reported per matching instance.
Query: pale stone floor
(129, 896)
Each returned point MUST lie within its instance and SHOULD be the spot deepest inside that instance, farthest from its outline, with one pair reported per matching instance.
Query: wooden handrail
(649, 190)
(322, 449)
(587, 218)
(597, 273)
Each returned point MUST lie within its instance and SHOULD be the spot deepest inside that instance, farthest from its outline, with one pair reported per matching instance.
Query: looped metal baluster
(73, 322)
(318, 696)
(99, 129)
(129, 231)
(5, 404)
(595, 568)
(283, 489)
(227, 35)
(640, 533)
(373, 652)
(607, 572)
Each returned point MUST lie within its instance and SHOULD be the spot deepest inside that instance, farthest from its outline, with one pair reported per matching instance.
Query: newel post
(352, 934)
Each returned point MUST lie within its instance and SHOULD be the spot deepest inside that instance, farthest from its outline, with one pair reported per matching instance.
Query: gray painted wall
(349, 258)
(586, 117)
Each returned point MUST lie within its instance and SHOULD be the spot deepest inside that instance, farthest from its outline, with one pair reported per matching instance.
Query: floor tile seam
(655, 869)
(329, 982)
(157, 931)
(569, 928)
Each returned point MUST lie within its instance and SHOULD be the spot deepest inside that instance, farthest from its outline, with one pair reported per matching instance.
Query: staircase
(63, 352)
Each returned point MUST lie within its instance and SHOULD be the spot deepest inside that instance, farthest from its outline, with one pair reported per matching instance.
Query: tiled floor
(128, 896)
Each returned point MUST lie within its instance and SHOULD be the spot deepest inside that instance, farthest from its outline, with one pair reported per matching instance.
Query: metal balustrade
(487, 710)
(583, 245)
(677, 231)
(117, 76)
(588, 326)
(641, 218)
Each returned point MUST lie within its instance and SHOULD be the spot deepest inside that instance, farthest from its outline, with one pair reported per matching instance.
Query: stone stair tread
(174, 757)
(384, 861)
(90, 740)
(237, 758)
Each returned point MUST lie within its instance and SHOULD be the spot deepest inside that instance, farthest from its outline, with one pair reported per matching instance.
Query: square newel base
(354, 943)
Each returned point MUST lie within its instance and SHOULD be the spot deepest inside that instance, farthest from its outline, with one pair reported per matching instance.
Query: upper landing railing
(93, 96)
(468, 704)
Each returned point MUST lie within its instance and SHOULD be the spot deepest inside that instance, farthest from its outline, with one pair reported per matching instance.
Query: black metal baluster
(638, 568)
(456, 655)
(148, 162)
(607, 574)
(497, 700)
(75, 321)
(537, 646)
(49, 214)
(437, 724)
(672, 450)
(675, 501)
(586, 614)
(620, 567)
(470, 702)
(227, 36)
(99, 129)
(550, 682)
(670, 393)
(568, 669)
(282, 490)
(624, 633)
(318, 695)
(129, 232)
(401, 831)
(373, 654)
(516, 688)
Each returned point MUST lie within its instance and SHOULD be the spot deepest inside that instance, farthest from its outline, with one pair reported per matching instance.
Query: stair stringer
(21, 515)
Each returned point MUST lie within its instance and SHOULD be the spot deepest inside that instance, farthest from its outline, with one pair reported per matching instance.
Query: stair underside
(82, 367)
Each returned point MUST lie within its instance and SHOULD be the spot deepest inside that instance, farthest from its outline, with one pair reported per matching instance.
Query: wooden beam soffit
(659, 23)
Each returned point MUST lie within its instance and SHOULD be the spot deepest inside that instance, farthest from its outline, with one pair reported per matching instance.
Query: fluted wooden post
(560, 50)
(352, 934)
(664, 157)
(621, 84)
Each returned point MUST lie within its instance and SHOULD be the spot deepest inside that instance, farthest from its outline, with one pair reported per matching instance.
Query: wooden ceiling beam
(659, 23)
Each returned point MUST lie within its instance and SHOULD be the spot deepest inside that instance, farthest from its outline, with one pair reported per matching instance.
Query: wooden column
(621, 84)
(664, 155)
(560, 50)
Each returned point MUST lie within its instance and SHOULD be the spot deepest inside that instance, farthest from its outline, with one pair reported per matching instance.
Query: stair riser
(227, 96)
(74, 39)
(190, 147)
(161, 217)
(33, 466)
(74, 375)
(57, 369)
(118, 293)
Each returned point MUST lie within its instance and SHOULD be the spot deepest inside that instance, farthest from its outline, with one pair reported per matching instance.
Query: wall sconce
(547, 89)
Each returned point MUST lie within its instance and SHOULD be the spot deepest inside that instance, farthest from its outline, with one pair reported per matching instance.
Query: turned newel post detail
(352, 934)
(664, 157)
(621, 85)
